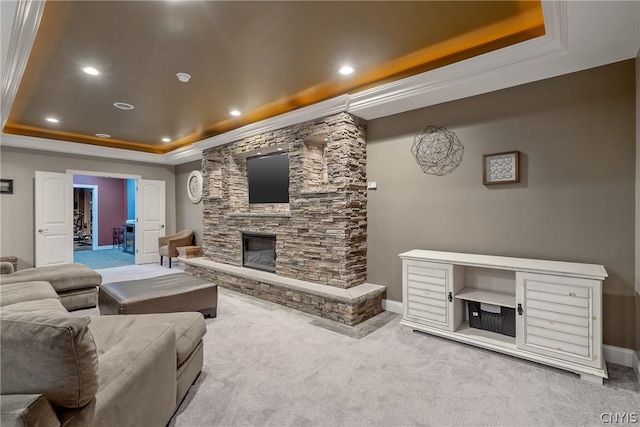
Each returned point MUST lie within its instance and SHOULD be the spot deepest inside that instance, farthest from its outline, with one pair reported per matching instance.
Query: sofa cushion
(26, 410)
(63, 277)
(28, 291)
(50, 353)
(42, 306)
(137, 378)
(79, 298)
(189, 329)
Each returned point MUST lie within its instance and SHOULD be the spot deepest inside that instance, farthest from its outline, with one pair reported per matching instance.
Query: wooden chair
(118, 236)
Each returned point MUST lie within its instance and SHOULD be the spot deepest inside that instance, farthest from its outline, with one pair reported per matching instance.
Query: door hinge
(520, 309)
(450, 297)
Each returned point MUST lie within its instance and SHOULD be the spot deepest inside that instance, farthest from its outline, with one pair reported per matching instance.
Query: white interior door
(151, 220)
(53, 218)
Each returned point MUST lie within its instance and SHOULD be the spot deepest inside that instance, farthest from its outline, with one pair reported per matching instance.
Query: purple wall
(112, 204)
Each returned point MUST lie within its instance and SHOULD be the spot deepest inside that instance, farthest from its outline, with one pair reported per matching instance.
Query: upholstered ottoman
(164, 294)
(76, 284)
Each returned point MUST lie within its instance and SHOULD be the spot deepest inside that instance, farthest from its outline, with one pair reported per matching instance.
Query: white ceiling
(580, 35)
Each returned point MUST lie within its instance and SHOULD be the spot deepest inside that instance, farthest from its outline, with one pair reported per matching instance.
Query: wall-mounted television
(268, 178)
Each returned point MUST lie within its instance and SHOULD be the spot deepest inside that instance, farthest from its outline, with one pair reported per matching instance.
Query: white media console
(557, 305)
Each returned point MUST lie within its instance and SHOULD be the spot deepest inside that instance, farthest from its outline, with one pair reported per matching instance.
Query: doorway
(104, 209)
(53, 225)
(85, 217)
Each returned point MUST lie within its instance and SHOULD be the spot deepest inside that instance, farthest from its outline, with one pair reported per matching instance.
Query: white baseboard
(100, 248)
(392, 306)
(636, 365)
(619, 355)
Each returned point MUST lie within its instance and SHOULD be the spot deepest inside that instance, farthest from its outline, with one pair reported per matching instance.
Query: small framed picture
(6, 186)
(500, 168)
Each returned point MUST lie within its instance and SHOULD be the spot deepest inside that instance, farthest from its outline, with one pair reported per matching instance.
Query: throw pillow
(49, 353)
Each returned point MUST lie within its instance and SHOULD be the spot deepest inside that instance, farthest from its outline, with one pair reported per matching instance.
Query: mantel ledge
(286, 214)
(326, 190)
(351, 295)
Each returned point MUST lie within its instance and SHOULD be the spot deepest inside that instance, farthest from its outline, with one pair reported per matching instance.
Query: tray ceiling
(261, 58)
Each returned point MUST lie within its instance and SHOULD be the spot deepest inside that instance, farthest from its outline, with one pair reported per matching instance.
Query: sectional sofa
(72, 370)
(75, 284)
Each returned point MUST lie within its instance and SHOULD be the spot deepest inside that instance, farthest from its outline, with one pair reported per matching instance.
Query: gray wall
(188, 215)
(575, 201)
(17, 210)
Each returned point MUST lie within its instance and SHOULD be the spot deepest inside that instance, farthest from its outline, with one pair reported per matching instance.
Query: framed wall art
(500, 168)
(6, 186)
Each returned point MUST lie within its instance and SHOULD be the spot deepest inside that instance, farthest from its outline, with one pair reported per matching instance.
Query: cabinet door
(559, 317)
(427, 288)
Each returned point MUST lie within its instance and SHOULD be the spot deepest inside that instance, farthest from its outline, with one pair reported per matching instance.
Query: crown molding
(23, 33)
(183, 155)
(43, 144)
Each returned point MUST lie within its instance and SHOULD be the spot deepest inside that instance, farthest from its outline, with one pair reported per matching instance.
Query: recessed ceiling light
(279, 149)
(103, 135)
(183, 77)
(346, 70)
(90, 70)
(259, 153)
(123, 105)
(52, 120)
(166, 139)
(235, 113)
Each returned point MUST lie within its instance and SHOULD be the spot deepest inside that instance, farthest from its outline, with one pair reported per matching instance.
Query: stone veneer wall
(321, 233)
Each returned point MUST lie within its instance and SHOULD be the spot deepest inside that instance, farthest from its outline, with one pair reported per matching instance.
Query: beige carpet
(266, 365)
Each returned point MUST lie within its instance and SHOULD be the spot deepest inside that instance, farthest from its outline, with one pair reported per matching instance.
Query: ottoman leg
(169, 262)
(210, 312)
(160, 259)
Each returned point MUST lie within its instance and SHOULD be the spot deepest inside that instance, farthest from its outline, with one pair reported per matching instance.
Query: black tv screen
(268, 178)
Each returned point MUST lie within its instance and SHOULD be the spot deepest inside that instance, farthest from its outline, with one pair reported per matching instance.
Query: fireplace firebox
(259, 252)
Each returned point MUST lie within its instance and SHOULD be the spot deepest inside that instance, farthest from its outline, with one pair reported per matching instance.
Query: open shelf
(487, 297)
(487, 337)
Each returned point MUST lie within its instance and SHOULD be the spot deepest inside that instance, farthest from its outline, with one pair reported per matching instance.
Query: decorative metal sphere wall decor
(437, 150)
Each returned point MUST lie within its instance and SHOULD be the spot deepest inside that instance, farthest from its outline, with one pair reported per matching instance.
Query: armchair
(168, 245)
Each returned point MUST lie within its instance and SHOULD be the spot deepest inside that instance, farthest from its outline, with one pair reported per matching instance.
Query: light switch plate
(372, 185)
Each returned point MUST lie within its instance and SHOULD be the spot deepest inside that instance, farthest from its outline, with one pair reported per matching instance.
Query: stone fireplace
(259, 252)
(319, 238)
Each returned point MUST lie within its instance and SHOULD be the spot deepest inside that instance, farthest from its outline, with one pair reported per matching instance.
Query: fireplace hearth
(259, 252)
